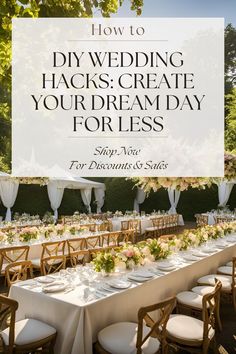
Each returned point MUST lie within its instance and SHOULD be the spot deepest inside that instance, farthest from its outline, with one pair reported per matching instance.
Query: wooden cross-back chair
(124, 225)
(196, 335)
(156, 229)
(18, 338)
(76, 251)
(10, 255)
(232, 289)
(106, 225)
(201, 220)
(52, 264)
(90, 227)
(220, 219)
(173, 222)
(53, 248)
(126, 236)
(135, 225)
(18, 271)
(92, 242)
(148, 333)
(110, 239)
(49, 249)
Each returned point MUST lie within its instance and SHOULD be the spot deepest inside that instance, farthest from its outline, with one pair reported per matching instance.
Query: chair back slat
(10, 255)
(158, 222)
(127, 236)
(8, 313)
(92, 242)
(201, 220)
(76, 251)
(54, 248)
(210, 305)
(157, 326)
(52, 264)
(124, 225)
(79, 257)
(18, 271)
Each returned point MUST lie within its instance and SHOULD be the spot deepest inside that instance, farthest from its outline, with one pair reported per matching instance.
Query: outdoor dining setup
(85, 287)
(116, 282)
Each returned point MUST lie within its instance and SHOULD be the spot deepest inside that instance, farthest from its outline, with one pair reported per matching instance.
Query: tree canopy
(38, 8)
(86, 8)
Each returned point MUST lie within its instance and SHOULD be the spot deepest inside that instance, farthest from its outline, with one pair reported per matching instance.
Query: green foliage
(120, 194)
(37, 8)
(230, 58)
(230, 133)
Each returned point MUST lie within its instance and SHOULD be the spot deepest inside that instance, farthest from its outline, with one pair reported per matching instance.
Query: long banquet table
(212, 216)
(146, 221)
(78, 321)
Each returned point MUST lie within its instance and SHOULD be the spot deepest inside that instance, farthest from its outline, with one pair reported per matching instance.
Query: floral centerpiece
(156, 248)
(131, 256)
(47, 231)
(73, 229)
(118, 213)
(48, 218)
(60, 229)
(104, 262)
(28, 233)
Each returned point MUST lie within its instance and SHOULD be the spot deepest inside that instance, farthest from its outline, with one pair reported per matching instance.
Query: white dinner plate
(137, 279)
(45, 279)
(119, 284)
(190, 257)
(221, 245)
(144, 274)
(165, 264)
(167, 269)
(230, 240)
(54, 287)
(208, 250)
(198, 254)
(107, 287)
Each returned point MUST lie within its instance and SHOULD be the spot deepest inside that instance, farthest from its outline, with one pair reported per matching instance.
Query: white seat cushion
(190, 299)
(225, 270)
(202, 289)
(28, 331)
(17, 268)
(152, 228)
(186, 328)
(210, 280)
(120, 338)
(36, 262)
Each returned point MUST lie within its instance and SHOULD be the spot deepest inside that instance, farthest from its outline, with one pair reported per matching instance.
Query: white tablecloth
(145, 222)
(78, 323)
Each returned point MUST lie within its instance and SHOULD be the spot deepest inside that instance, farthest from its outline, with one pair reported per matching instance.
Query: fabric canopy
(224, 191)
(56, 188)
(174, 195)
(139, 199)
(8, 192)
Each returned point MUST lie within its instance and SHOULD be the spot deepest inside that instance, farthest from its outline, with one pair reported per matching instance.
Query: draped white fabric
(8, 193)
(224, 190)
(139, 199)
(86, 195)
(99, 197)
(55, 196)
(174, 195)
